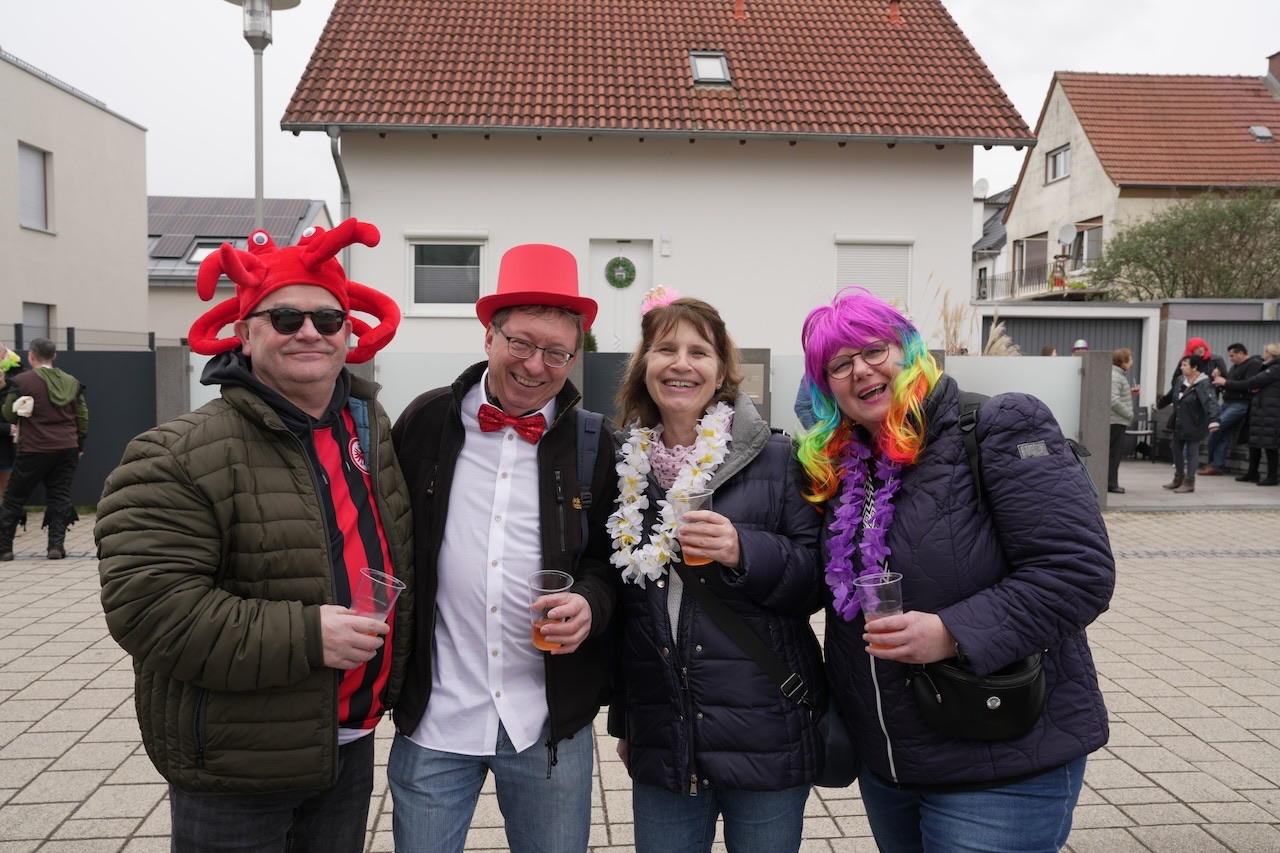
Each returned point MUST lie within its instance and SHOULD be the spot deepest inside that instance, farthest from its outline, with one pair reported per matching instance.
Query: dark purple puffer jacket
(1026, 573)
(699, 712)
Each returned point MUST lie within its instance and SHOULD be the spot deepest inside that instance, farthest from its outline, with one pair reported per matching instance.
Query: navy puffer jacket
(1027, 572)
(698, 711)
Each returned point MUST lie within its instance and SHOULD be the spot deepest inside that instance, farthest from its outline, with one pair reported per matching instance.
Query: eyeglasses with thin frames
(872, 354)
(287, 321)
(522, 349)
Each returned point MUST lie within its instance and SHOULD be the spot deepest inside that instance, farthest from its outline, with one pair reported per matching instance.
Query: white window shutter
(882, 268)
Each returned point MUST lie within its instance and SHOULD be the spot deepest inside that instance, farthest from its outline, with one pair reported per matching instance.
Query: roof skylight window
(1262, 133)
(709, 66)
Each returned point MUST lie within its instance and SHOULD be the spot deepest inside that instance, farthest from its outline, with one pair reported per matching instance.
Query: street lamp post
(257, 32)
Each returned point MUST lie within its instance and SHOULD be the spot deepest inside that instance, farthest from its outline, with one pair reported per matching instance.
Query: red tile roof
(1167, 130)
(829, 67)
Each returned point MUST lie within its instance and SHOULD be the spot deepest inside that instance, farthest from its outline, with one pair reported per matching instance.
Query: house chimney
(1273, 65)
(895, 13)
(740, 10)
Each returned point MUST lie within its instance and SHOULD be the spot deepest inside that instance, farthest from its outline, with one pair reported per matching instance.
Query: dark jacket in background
(1264, 404)
(428, 437)
(59, 419)
(1025, 572)
(698, 706)
(1195, 408)
(1242, 372)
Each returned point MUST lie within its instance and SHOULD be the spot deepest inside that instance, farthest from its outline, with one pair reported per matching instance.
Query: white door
(617, 326)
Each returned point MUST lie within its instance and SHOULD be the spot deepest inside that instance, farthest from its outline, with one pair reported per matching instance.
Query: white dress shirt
(485, 668)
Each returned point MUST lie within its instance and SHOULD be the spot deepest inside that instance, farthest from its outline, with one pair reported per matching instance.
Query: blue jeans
(1031, 816)
(754, 821)
(331, 820)
(1231, 414)
(435, 794)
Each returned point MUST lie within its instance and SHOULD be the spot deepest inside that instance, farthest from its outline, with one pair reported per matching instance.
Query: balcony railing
(1017, 284)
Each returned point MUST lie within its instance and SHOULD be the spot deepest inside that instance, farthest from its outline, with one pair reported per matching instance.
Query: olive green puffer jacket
(214, 564)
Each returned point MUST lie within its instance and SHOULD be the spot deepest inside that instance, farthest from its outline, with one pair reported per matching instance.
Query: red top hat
(265, 268)
(537, 274)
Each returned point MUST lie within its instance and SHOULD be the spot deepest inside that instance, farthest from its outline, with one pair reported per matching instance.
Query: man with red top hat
(233, 541)
(502, 466)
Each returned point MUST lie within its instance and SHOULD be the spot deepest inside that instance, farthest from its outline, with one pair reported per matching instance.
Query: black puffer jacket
(1264, 404)
(1027, 572)
(697, 711)
(1195, 408)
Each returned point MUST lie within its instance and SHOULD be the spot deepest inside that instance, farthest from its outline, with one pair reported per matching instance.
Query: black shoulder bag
(952, 699)
(840, 761)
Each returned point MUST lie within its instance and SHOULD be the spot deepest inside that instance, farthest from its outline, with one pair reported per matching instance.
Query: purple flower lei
(848, 517)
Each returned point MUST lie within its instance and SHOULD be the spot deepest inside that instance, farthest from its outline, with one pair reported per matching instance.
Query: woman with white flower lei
(704, 731)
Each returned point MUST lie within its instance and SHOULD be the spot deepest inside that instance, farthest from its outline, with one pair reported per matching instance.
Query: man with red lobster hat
(234, 542)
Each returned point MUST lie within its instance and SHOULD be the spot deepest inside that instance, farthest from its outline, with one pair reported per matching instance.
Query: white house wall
(1087, 192)
(751, 228)
(91, 263)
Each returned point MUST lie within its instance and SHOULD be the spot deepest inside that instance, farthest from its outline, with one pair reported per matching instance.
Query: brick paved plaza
(1189, 656)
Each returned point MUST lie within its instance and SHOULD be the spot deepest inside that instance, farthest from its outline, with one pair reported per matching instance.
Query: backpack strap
(588, 447)
(970, 404)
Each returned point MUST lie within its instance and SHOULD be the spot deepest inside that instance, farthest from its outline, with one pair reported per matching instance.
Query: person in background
(985, 583)
(1195, 415)
(1235, 407)
(1081, 345)
(803, 406)
(1048, 350)
(49, 406)
(704, 731)
(10, 365)
(1264, 415)
(493, 465)
(1200, 347)
(1121, 414)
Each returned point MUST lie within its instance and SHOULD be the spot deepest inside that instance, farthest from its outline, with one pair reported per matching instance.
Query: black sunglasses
(287, 321)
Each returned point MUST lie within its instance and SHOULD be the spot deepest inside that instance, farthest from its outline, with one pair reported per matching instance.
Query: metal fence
(73, 338)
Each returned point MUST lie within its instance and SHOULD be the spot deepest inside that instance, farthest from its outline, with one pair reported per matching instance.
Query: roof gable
(1176, 130)
(841, 68)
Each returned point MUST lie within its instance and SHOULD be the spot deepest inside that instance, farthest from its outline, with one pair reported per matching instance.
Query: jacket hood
(234, 370)
(62, 386)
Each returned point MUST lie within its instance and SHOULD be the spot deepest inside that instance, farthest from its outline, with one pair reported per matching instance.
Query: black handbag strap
(790, 683)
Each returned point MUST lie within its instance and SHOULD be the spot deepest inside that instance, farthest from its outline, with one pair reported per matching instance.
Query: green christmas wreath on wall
(620, 272)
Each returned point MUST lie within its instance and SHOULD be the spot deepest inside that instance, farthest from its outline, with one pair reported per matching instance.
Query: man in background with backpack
(501, 466)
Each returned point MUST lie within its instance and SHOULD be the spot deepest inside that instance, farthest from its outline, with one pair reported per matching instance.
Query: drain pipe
(344, 198)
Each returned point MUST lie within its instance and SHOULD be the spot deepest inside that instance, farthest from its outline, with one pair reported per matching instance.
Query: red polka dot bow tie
(530, 427)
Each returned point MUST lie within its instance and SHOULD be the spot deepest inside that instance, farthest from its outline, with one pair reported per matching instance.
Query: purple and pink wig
(853, 319)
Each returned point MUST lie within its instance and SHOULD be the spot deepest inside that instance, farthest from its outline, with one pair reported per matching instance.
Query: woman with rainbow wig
(987, 580)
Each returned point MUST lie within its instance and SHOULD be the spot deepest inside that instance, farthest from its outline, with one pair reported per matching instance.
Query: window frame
(1060, 154)
(413, 239)
(46, 180)
(725, 80)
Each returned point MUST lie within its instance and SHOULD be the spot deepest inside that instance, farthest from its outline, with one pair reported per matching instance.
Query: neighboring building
(989, 236)
(1115, 148)
(757, 154)
(183, 230)
(73, 192)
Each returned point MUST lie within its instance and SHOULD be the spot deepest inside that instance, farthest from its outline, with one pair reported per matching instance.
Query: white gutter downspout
(344, 198)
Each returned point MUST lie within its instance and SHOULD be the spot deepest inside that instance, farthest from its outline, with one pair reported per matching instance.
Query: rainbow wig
(854, 318)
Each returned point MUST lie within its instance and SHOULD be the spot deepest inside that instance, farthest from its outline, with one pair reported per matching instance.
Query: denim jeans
(331, 820)
(1231, 414)
(435, 793)
(1186, 456)
(754, 821)
(1031, 816)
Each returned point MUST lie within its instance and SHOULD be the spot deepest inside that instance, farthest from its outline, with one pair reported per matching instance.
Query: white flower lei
(625, 524)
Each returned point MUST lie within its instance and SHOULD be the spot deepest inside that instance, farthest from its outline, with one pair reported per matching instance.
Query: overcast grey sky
(182, 69)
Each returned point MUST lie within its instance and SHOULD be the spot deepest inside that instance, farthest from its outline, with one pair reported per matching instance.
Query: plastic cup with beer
(687, 500)
(545, 582)
(375, 594)
(880, 595)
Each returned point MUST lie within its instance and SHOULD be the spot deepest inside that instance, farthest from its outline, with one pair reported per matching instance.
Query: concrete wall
(91, 263)
(751, 228)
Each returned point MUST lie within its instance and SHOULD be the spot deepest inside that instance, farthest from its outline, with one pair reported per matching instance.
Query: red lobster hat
(265, 268)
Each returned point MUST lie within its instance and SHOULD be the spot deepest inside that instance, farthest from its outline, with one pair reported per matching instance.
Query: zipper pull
(559, 487)
(684, 677)
(693, 784)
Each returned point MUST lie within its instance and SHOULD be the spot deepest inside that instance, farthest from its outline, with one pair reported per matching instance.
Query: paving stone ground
(1189, 656)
